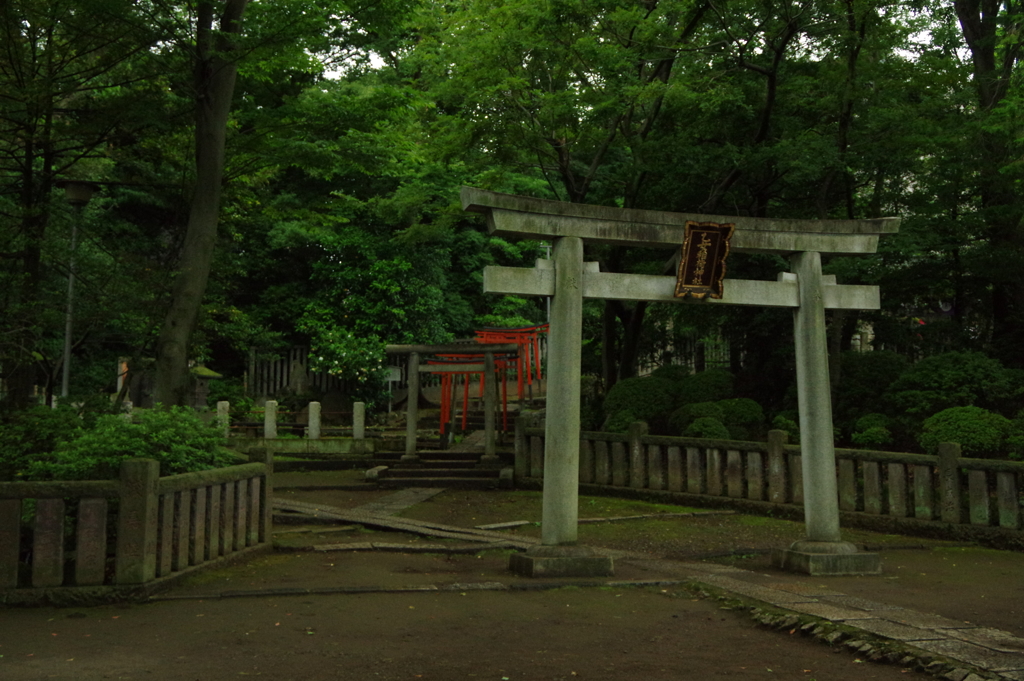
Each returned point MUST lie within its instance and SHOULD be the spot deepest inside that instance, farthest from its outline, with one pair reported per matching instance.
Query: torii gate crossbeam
(569, 280)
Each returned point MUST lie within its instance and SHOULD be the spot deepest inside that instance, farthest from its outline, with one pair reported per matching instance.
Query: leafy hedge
(176, 438)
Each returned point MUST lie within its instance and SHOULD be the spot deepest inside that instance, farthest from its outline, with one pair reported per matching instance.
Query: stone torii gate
(568, 280)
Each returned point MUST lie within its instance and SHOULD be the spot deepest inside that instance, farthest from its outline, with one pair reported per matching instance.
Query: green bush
(619, 421)
(742, 411)
(230, 390)
(647, 398)
(707, 427)
(681, 418)
(784, 422)
(873, 420)
(32, 435)
(978, 431)
(872, 430)
(876, 436)
(177, 439)
(707, 386)
(953, 379)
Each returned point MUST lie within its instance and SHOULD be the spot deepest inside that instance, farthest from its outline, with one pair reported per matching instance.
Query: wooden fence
(946, 488)
(163, 525)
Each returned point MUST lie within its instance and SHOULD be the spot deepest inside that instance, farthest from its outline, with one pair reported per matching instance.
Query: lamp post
(77, 194)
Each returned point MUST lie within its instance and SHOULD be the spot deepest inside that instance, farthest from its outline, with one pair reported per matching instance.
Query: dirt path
(611, 634)
(442, 629)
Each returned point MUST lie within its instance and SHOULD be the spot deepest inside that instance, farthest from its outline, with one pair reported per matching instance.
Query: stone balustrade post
(266, 521)
(412, 414)
(313, 428)
(949, 482)
(224, 417)
(270, 420)
(359, 420)
(137, 522)
(637, 455)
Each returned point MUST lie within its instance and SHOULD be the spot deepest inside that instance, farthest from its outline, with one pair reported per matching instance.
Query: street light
(77, 194)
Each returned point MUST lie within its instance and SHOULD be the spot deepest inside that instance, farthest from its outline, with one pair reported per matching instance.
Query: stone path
(395, 503)
(987, 649)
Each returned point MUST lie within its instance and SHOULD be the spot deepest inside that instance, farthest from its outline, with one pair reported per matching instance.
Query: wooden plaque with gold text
(702, 259)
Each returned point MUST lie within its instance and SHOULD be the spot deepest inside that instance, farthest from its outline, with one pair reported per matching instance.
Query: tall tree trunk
(984, 23)
(215, 73)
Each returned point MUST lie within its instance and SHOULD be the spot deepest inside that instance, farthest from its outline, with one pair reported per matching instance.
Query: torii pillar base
(826, 558)
(561, 561)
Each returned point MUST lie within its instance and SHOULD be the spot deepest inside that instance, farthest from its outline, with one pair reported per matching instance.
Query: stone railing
(312, 429)
(943, 489)
(161, 526)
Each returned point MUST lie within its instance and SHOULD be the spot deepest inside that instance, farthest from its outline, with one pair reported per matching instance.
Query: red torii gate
(527, 363)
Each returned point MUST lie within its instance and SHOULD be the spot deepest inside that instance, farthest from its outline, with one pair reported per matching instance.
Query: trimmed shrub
(619, 422)
(682, 417)
(873, 420)
(178, 439)
(708, 427)
(743, 417)
(876, 436)
(872, 430)
(978, 431)
(647, 398)
(707, 386)
(953, 379)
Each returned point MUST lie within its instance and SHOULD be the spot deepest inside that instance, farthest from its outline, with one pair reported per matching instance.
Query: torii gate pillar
(568, 280)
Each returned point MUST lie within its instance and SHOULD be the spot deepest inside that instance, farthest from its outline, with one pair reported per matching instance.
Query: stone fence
(160, 526)
(945, 490)
(312, 428)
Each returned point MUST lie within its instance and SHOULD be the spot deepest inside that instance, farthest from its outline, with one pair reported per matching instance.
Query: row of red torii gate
(498, 356)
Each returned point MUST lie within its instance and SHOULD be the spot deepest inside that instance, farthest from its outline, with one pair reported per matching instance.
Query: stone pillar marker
(224, 418)
(805, 291)
(137, 522)
(358, 420)
(358, 427)
(490, 457)
(313, 428)
(412, 411)
(270, 420)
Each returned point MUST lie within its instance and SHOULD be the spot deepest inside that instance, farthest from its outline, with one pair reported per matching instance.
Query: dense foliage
(322, 196)
(177, 438)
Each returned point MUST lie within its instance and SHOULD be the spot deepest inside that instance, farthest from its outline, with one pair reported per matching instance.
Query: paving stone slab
(974, 655)
(475, 586)
(995, 639)
(1013, 676)
(814, 590)
(761, 593)
(922, 620)
(899, 632)
(354, 546)
(831, 612)
(712, 567)
(663, 566)
(399, 501)
(859, 603)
